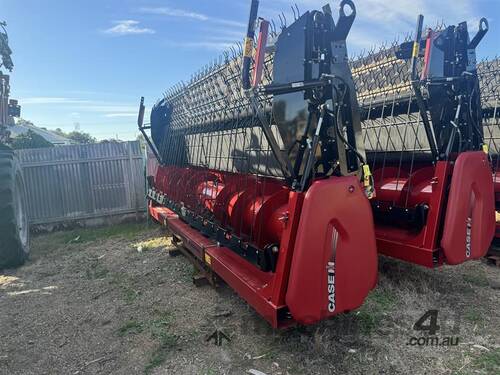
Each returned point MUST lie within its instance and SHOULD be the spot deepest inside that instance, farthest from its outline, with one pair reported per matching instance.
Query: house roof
(55, 139)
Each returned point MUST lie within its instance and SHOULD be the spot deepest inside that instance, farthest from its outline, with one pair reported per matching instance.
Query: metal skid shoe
(262, 175)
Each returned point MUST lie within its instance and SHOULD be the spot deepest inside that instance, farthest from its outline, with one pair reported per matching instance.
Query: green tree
(30, 140)
(76, 136)
(59, 131)
(111, 140)
(81, 137)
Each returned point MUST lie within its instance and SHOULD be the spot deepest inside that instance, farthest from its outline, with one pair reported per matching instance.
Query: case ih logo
(331, 286)
(331, 272)
(468, 232)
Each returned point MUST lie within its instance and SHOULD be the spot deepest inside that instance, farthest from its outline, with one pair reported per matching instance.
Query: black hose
(336, 120)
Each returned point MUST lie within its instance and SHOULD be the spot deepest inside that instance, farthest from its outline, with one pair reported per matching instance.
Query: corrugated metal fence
(83, 181)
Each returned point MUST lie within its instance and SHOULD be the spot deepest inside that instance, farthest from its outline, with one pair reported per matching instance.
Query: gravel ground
(88, 302)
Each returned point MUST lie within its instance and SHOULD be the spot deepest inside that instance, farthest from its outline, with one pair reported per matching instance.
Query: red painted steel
(191, 238)
(469, 225)
(445, 188)
(263, 290)
(253, 285)
(260, 53)
(287, 247)
(395, 186)
(159, 213)
(496, 186)
(327, 261)
(265, 212)
(334, 263)
(426, 185)
(427, 55)
(252, 207)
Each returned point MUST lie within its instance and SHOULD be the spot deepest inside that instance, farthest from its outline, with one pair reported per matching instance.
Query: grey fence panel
(83, 181)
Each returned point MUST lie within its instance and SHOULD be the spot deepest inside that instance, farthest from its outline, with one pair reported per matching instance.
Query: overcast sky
(85, 63)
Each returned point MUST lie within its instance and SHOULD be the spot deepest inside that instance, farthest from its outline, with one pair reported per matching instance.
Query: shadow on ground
(111, 301)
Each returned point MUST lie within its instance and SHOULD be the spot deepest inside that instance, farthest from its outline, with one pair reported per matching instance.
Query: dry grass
(98, 305)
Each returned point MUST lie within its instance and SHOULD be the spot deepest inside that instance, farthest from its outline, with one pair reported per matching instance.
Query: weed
(162, 321)
(124, 283)
(157, 358)
(130, 295)
(477, 279)
(130, 327)
(473, 316)
(383, 299)
(368, 320)
(167, 341)
(96, 271)
(369, 316)
(159, 328)
(82, 235)
(488, 363)
(118, 279)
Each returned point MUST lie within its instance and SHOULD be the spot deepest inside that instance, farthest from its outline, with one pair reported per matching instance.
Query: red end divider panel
(469, 224)
(334, 263)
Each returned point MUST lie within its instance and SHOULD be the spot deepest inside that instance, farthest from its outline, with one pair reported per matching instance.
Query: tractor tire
(14, 226)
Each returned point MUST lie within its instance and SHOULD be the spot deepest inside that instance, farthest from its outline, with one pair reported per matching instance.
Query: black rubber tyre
(14, 229)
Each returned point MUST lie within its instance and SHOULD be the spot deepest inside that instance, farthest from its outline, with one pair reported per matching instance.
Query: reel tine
(233, 51)
(273, 28)
(282, 21)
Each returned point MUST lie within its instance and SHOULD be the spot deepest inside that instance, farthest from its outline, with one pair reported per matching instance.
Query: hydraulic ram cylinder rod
(416, 48)
(418, 93)
(248, 45)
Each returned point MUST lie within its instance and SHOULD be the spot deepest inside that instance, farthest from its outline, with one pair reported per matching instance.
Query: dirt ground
(112, 301)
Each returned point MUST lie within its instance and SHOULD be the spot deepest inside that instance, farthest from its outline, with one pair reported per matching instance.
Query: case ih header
(489, 76)
(263, 178)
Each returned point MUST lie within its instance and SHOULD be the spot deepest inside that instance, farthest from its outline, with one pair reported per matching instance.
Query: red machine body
(434, 191)
(263, 187)
(458, 218)
(496, 187)
(327, 261)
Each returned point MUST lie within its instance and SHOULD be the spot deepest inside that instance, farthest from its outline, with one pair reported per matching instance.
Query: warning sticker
(208, 259)
(248, 47)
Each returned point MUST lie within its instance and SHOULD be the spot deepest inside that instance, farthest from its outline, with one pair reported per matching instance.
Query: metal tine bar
(273, 28)
(281, 22)
(215, 104)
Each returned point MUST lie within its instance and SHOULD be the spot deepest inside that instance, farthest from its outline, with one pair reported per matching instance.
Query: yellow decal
(486, 149)
(416, 49)
(366, 175)
(208, 259)
(248, 47)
